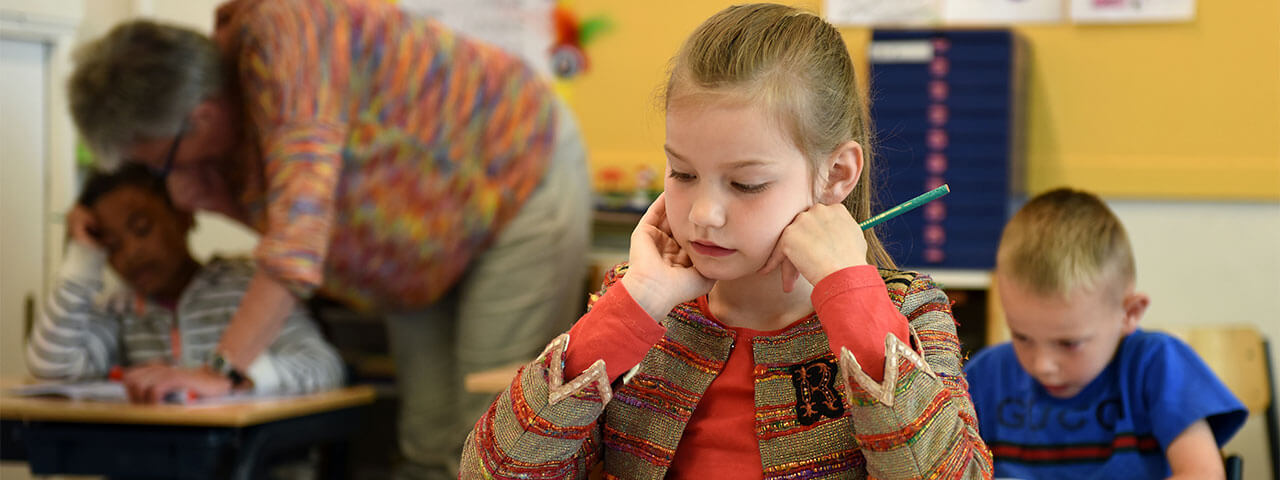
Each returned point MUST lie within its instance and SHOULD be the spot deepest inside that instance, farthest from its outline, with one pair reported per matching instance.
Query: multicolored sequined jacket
(918, 423)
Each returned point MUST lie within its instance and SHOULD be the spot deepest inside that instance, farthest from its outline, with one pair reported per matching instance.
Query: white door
(23, 164)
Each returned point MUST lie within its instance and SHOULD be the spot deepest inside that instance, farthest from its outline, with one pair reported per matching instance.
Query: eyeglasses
(163, 173)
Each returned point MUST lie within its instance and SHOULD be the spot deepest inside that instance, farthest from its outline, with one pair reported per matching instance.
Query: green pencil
(906, 206)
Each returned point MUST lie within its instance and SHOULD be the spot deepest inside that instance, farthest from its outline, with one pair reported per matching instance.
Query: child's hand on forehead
(82, 227)
(820, 241)
(660, 274)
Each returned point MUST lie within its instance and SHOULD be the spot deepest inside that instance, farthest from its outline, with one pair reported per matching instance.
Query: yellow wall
(1189, 110)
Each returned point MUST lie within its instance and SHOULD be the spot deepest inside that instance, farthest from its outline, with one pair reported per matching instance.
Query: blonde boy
(1082, 392)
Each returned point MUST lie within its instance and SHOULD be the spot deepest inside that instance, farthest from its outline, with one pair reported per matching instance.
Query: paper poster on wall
(988, 12)
(522, 27)
(882, 12)
(947, 12)
(1137, 11)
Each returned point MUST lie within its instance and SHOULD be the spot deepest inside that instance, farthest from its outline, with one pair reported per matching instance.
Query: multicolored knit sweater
(917, 423)
(390, 149)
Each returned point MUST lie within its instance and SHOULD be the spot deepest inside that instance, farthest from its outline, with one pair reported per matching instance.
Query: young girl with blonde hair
(756, 331)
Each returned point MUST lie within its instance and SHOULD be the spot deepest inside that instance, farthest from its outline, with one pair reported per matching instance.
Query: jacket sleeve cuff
(900, 361)
(917, 413)
(82, 264)
(541, 417)
(264, 376)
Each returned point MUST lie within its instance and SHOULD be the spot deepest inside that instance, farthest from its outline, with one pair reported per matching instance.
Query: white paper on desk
(97, 391)
(233, 399)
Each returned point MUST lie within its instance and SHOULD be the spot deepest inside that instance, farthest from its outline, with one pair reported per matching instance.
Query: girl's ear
(843, 168)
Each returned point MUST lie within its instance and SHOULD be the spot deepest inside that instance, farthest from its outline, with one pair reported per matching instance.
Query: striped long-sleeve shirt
(83, 332)
(391, 150)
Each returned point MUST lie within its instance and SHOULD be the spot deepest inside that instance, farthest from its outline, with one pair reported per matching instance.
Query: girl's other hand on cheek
(820, 241)
(661, 274)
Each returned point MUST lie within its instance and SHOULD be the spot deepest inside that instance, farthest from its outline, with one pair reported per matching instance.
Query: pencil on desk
(906, 206)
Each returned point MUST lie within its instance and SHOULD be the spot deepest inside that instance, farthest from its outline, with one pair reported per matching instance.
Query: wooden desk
(57, 436)
(493, 381)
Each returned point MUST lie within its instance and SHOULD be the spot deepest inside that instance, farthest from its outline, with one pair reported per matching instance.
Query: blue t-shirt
(1116, 427)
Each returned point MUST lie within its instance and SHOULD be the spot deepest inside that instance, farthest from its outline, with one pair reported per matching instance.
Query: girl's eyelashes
(741, 187)
(680, 177)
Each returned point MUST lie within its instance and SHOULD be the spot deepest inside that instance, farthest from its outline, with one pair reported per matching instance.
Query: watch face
(219, 364)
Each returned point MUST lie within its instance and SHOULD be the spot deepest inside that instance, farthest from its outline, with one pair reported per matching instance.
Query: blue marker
(906, 206)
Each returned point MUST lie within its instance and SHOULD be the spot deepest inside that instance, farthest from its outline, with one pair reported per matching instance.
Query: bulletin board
(1172, 110)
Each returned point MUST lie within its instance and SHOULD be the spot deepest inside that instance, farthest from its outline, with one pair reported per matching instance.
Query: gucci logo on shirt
(1018, 413)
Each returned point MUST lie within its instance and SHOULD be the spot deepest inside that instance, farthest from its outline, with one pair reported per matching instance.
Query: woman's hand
(661, 275)
(81, 227)
(820, 241)
(153, 382)
(202, 187)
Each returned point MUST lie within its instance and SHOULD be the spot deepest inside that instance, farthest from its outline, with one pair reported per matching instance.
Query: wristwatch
(221, 366)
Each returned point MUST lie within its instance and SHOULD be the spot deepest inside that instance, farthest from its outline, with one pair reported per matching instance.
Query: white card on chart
(986, 12)
(881, 12)
(1132, 11)
(521, 27)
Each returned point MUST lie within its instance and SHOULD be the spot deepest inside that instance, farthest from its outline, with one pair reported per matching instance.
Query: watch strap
(220, 365)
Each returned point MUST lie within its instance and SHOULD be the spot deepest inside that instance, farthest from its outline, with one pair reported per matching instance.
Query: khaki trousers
(515, 297)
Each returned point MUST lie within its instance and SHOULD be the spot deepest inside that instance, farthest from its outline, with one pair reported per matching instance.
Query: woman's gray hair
(139, 81)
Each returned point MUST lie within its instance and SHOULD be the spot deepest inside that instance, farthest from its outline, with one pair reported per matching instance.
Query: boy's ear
(1135, 305)
(843, 168)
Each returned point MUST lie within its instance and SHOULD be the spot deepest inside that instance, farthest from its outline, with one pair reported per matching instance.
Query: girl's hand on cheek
(660, 275)
(820, 241)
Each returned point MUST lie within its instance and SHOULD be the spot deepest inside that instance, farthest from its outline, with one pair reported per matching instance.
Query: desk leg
(12, 441)
(261, 442)
(333, 461)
